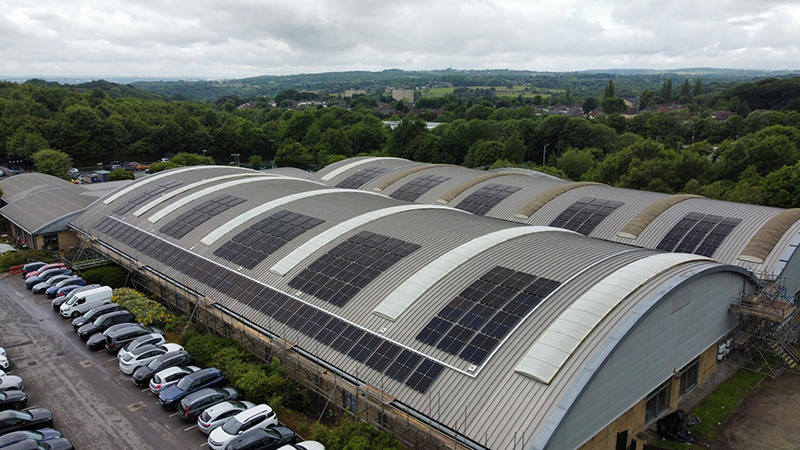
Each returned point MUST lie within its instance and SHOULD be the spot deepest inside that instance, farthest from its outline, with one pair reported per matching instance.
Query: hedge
(12, 259)
(113, 276)
(351, 434)
(147, 312)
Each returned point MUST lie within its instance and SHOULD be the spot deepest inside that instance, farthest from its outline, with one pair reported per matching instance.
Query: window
(349, 402)
(658, 402)
(689, 376)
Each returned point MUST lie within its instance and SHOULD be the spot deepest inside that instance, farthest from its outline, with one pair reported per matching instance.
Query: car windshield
(2, 395)
(98, 321)
(232, 426)
(184, 384)
(238, 405)
(128, 357)
(154, 364)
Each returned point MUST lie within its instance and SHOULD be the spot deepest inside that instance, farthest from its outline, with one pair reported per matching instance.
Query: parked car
(110, 166)
(140, 167)
(2, 373)
(11, 383)
(73, 172)
(52, 291)
(98, 340)
(132, 165)
(61, 443)
(3, 359)
(169, 376)
(258, 417)
(270, 438)
(62, 292)
(58, 301)
(93, 313)
(216, 415)
(151, 339)
(40, 288)
(142, 375)
(85, 300)
(143, 355)
(163, 160)
(305, 445)
(14, 420)
(45, 275)
(40, 435)
(43, 268)
(192, 405)
(210, 377)
(103, 322)
(32, 267)
(13, 399)
(117, 339)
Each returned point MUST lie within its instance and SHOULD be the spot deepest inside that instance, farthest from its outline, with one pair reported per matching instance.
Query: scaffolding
(767, 326)
(334, 392)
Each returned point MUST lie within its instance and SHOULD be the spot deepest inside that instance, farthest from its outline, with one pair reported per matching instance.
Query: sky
(241, 38)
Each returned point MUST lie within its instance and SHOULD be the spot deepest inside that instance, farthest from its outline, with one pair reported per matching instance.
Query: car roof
(169, 371)
(200, 373)
(143, 348)
(220, 408)
(254, 411)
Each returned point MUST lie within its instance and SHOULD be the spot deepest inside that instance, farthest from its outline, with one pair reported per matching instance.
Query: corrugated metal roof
(498, 401)
(47, 211)
(18, 186)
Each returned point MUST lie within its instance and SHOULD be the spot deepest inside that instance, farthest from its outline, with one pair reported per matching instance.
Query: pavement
(94, 404)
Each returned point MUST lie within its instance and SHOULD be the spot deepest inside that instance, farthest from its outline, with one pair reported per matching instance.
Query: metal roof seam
(345, 167)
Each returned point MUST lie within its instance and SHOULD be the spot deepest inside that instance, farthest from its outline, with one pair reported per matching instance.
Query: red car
(43, 268)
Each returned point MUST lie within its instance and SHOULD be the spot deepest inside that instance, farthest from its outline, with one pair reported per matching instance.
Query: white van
(85, 300)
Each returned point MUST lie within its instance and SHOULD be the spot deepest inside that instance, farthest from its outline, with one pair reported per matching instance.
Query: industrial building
(481, 333)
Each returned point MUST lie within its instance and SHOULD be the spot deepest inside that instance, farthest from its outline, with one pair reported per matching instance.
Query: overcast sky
(239, 38)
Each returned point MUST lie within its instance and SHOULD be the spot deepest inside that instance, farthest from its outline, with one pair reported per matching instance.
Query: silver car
(39, 288)
(216, 415)
(169, 376)
(154, 338)
(11, 382)
(143, 355)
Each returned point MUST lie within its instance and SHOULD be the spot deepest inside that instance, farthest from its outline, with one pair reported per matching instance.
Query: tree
(161, 166)
(484, 153)
(575, 162)
(645, 99)
(685, 89)
(294, 154)
(255, 162)
(52, 162)
(590, 104)
(613, 105)
(192, 159)
(609, 92)
(121, 174)
(698, 87)
(666, 90)
(23, 143)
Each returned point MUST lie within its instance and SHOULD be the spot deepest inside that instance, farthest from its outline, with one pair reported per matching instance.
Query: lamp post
(544, 152)
(236, 158)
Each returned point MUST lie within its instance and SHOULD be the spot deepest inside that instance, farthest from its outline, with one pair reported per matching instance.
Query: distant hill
(770, 93)
(113, 90)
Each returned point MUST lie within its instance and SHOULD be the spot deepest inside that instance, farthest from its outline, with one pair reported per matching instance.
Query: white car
(148, 339)
(259, 416)
(9, 382)
(3, 359)
(169, 376)
(216, 415)
(2, 373)
(305, 445)
(143, 355)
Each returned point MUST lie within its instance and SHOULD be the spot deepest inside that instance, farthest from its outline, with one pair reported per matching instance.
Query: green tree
(52, 162)
(613, 105)
(575, 162)
(609, 92)
(698, 88)
(23, 143)
(484, 153)
(161, 166)
(192, 159)
(685, 89)
(121, 174)
(255, 162)
(666, 90)
(294, 154)
(645, 99)
(590, 104)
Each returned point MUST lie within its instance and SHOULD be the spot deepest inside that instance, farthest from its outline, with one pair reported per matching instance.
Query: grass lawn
(501, 91)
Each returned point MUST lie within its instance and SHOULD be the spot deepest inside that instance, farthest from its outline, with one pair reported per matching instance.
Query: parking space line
(193, 426)
(30, 407)
(145, 389)
(204, 444)
(173, 414)
(112, 359)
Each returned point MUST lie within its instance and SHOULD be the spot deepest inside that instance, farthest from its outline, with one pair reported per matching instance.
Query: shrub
(352, 434)
(113, 276)
(121, 174)
(159, 166)
(146, 311)
(12, 259)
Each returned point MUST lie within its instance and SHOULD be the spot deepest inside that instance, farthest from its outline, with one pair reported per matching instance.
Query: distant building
(407, 95)
(352, 92)
(721, 116)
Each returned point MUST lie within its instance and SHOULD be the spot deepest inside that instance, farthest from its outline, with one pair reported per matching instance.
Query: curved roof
(751, 236)
(496, 285)
(48, 210)
(19, 186)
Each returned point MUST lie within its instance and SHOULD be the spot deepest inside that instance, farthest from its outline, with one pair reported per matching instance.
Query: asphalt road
(95, 405)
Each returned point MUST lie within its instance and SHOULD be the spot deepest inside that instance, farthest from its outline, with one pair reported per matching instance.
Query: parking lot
(95, 405)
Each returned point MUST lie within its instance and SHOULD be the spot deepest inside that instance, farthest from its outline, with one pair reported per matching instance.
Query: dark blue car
(65, 290)
(171, 396)
(52, 291)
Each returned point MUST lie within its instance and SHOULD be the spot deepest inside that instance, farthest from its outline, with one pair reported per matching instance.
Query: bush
(113, 276)
(121, 174)
(159, 166)
(352, 434)
(146, 311)
(12, 259)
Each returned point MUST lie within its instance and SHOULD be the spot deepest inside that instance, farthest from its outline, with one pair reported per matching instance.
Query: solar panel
(585, 214)
(360, 345)
(486, 198)
(188, 221)
(412, 190)
(261, 239)
(145, 196)
(698, 233)
(340, 274)
(362, 177)
(481, 315)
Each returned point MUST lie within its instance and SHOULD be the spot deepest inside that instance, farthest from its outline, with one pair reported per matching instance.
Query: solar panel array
(340, 274)
(412, 190)
(188, 221)
(264, 237)
(362, 177)
(403, 365)
(478, 318)
(698, 233)
(486, 198)
(585, 214)
(145, 196)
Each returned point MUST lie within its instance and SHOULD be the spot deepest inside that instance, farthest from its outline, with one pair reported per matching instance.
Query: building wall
(684, 324)
(791, 274)
(407, 95)
(67, 240)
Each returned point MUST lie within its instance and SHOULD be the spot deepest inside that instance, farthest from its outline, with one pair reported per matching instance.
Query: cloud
(237, 38)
